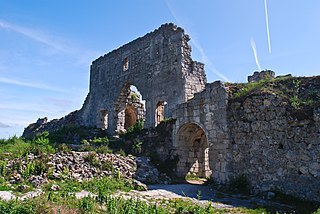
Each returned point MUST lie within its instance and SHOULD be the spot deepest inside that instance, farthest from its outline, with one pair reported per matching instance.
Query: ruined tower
(158, 64)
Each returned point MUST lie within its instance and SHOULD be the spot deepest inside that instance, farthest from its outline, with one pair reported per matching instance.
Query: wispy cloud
(267, 24)
(29, 84)
(254, 49)
(22, 107)
(197, 45)
(35, 35)
(83, 57)
(3, 125)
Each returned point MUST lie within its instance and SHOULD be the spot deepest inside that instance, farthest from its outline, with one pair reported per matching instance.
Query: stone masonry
(214, 135)
(159, 65)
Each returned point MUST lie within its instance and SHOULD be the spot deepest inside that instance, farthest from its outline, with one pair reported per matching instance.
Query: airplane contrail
(254, 48)
(267, 23)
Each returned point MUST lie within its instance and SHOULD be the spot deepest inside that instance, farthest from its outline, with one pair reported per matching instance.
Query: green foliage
(40, 144)
(135, 129)
(13, 147)
(107, 166)
(92, 159)
(35, 167)
(101, 141)
(249, 88)
(64, 148)
(103, 150)
(134, 96)
(17, 207)
(3, 167)
(136, 147)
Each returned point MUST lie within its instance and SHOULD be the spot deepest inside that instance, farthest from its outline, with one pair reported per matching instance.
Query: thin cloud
(267, 24)
(24, 107)
(3, 125)
(29, 84)
(84, 57)
(254, 49)
(33, 34)
(198, 46)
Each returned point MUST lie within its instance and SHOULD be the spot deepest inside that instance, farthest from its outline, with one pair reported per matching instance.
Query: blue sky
(46, 47)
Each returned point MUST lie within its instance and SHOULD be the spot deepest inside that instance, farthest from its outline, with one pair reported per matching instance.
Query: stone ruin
(214, 135)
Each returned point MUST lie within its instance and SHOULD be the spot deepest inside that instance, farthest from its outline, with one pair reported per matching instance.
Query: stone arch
(193, 150)
(128, 108)
(155, 64)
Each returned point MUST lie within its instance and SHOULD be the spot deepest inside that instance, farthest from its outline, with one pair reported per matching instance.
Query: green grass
(13, 147)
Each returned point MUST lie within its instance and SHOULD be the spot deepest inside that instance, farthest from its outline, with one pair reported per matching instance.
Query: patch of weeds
(134, 96)
(136, 147)
(100, 141)
(92, 159)
(40, 144)
(107, 166)
(103, 150)
(14, 147)
(35, 167)
(134, 130)
(192, 176)
(64, 148)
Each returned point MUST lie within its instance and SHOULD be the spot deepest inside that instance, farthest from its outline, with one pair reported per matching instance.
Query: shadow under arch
(193, 149)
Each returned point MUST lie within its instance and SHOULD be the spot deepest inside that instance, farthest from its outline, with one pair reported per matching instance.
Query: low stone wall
(275, 147)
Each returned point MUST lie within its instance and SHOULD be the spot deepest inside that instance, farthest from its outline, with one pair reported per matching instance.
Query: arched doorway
(129, 108)
(193, 151)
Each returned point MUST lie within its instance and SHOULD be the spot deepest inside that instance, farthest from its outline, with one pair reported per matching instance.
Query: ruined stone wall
(274, 146)
(261, 136)
(203, 118)
(159, 65)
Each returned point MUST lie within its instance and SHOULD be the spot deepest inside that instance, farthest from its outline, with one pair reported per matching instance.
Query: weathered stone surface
(214, 135)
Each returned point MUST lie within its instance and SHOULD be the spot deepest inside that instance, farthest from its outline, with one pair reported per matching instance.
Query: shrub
(92, 159)
(40, 144)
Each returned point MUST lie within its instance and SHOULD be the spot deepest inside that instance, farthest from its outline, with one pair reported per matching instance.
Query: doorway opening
(193, 151)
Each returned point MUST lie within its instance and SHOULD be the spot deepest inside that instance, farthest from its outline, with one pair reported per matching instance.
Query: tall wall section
(158, 64)
(200, 134)
(277, 148)
(270, 134)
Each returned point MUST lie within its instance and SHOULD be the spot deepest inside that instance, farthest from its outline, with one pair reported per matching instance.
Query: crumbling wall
(206, 112)
(274, 148)
(159, 65)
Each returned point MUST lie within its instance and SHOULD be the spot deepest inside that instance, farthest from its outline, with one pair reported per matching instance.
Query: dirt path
(198, 194)
(201, 194)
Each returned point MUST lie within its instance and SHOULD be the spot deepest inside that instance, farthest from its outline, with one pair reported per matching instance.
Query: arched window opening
(160, 111)
(125, 65)
(103, 119)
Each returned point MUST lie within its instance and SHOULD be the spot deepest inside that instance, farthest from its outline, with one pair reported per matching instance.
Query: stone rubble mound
(87, 165)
